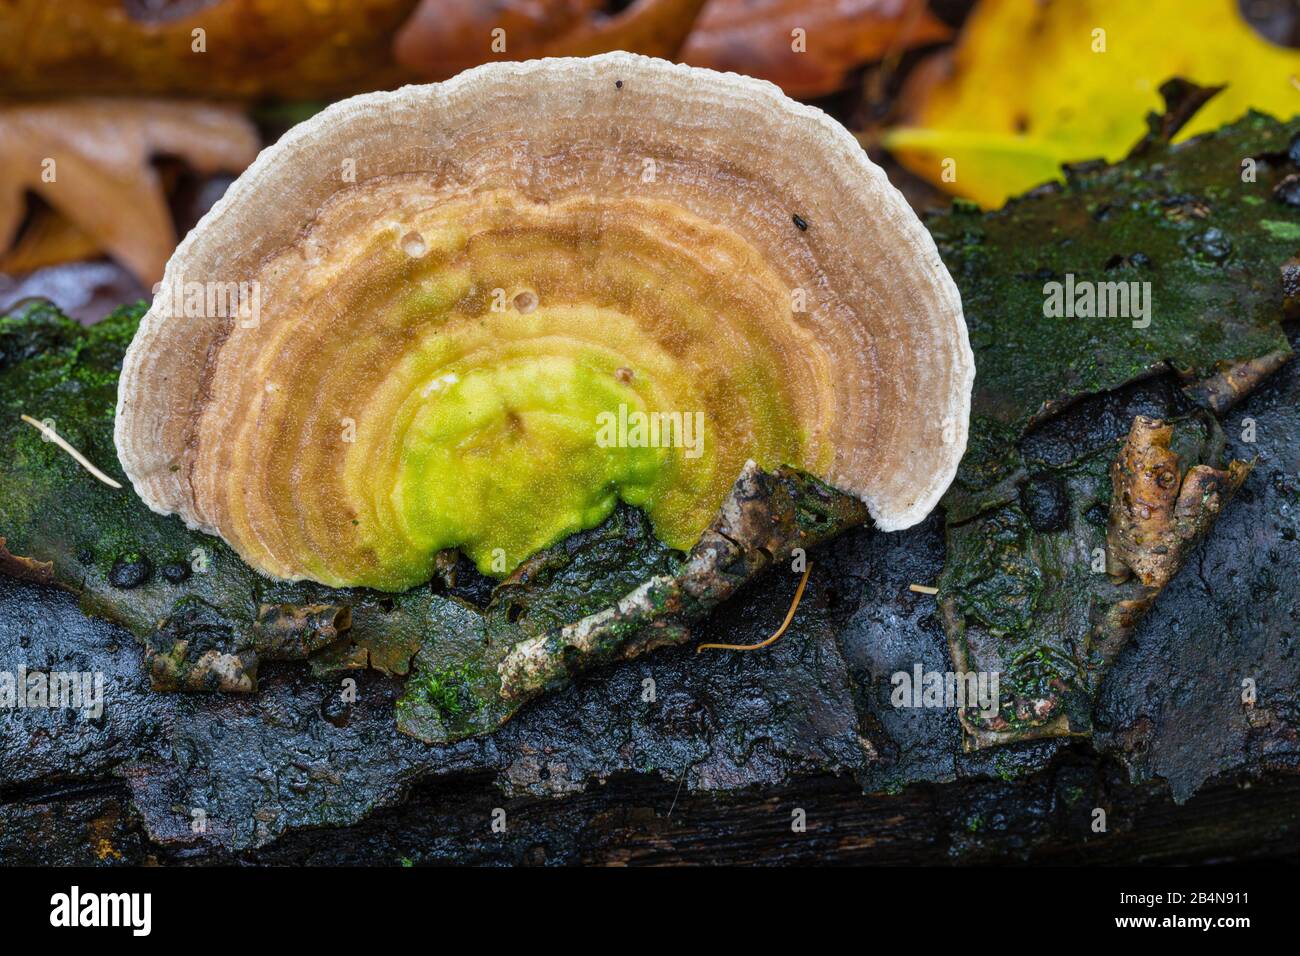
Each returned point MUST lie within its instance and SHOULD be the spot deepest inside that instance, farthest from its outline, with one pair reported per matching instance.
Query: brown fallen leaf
(49, 239)
(89, 159)
(759, 37)
(444, 37)
(245, 48)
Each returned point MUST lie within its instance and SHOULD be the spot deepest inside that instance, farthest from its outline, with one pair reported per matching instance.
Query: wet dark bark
(636, 820)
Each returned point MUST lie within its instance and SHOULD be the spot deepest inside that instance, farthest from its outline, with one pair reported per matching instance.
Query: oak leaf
(89, 159)
(444, 37)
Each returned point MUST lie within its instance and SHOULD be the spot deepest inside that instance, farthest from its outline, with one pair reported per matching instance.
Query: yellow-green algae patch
(520, 430)
(505, 461)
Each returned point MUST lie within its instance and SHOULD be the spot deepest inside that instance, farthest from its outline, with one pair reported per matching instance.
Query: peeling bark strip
(1233, 382)
(763, 520)
(291, 632)
(198, 649)
(1159, 513)
(25, 569)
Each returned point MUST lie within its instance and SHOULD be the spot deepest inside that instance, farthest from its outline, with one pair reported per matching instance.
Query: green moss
(450, 691)
(1289, 231)
(1161, 207)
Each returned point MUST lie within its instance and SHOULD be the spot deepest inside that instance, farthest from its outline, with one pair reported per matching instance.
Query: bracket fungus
(477, 314)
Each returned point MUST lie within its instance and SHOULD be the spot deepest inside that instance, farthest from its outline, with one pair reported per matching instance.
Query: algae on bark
(1024, 591)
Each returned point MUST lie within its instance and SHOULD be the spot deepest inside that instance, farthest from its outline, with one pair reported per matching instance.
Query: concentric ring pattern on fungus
(477, 314)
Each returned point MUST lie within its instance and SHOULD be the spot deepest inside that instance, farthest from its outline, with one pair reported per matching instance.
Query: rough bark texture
(198, 649)
(1160, 510)
(765, 520)
(1023, 593)
(1192, 710)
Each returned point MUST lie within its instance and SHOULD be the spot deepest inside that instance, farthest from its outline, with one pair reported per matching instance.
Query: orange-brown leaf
(48, 240)
(89, 159)
(444, 37)
(250, 48)
(758, 37)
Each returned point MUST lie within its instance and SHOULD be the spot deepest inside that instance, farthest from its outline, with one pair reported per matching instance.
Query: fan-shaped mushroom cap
(461, 302)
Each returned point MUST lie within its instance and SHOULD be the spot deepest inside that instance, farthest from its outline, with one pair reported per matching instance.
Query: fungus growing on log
(477, 314)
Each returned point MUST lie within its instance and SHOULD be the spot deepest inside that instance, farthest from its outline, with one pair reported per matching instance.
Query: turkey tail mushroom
(467, 315)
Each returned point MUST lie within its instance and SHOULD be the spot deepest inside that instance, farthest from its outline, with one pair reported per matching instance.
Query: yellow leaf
(1032, 85)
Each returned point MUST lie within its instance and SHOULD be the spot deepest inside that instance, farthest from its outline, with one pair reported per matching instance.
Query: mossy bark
(1024, 591)
(1019, 592)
